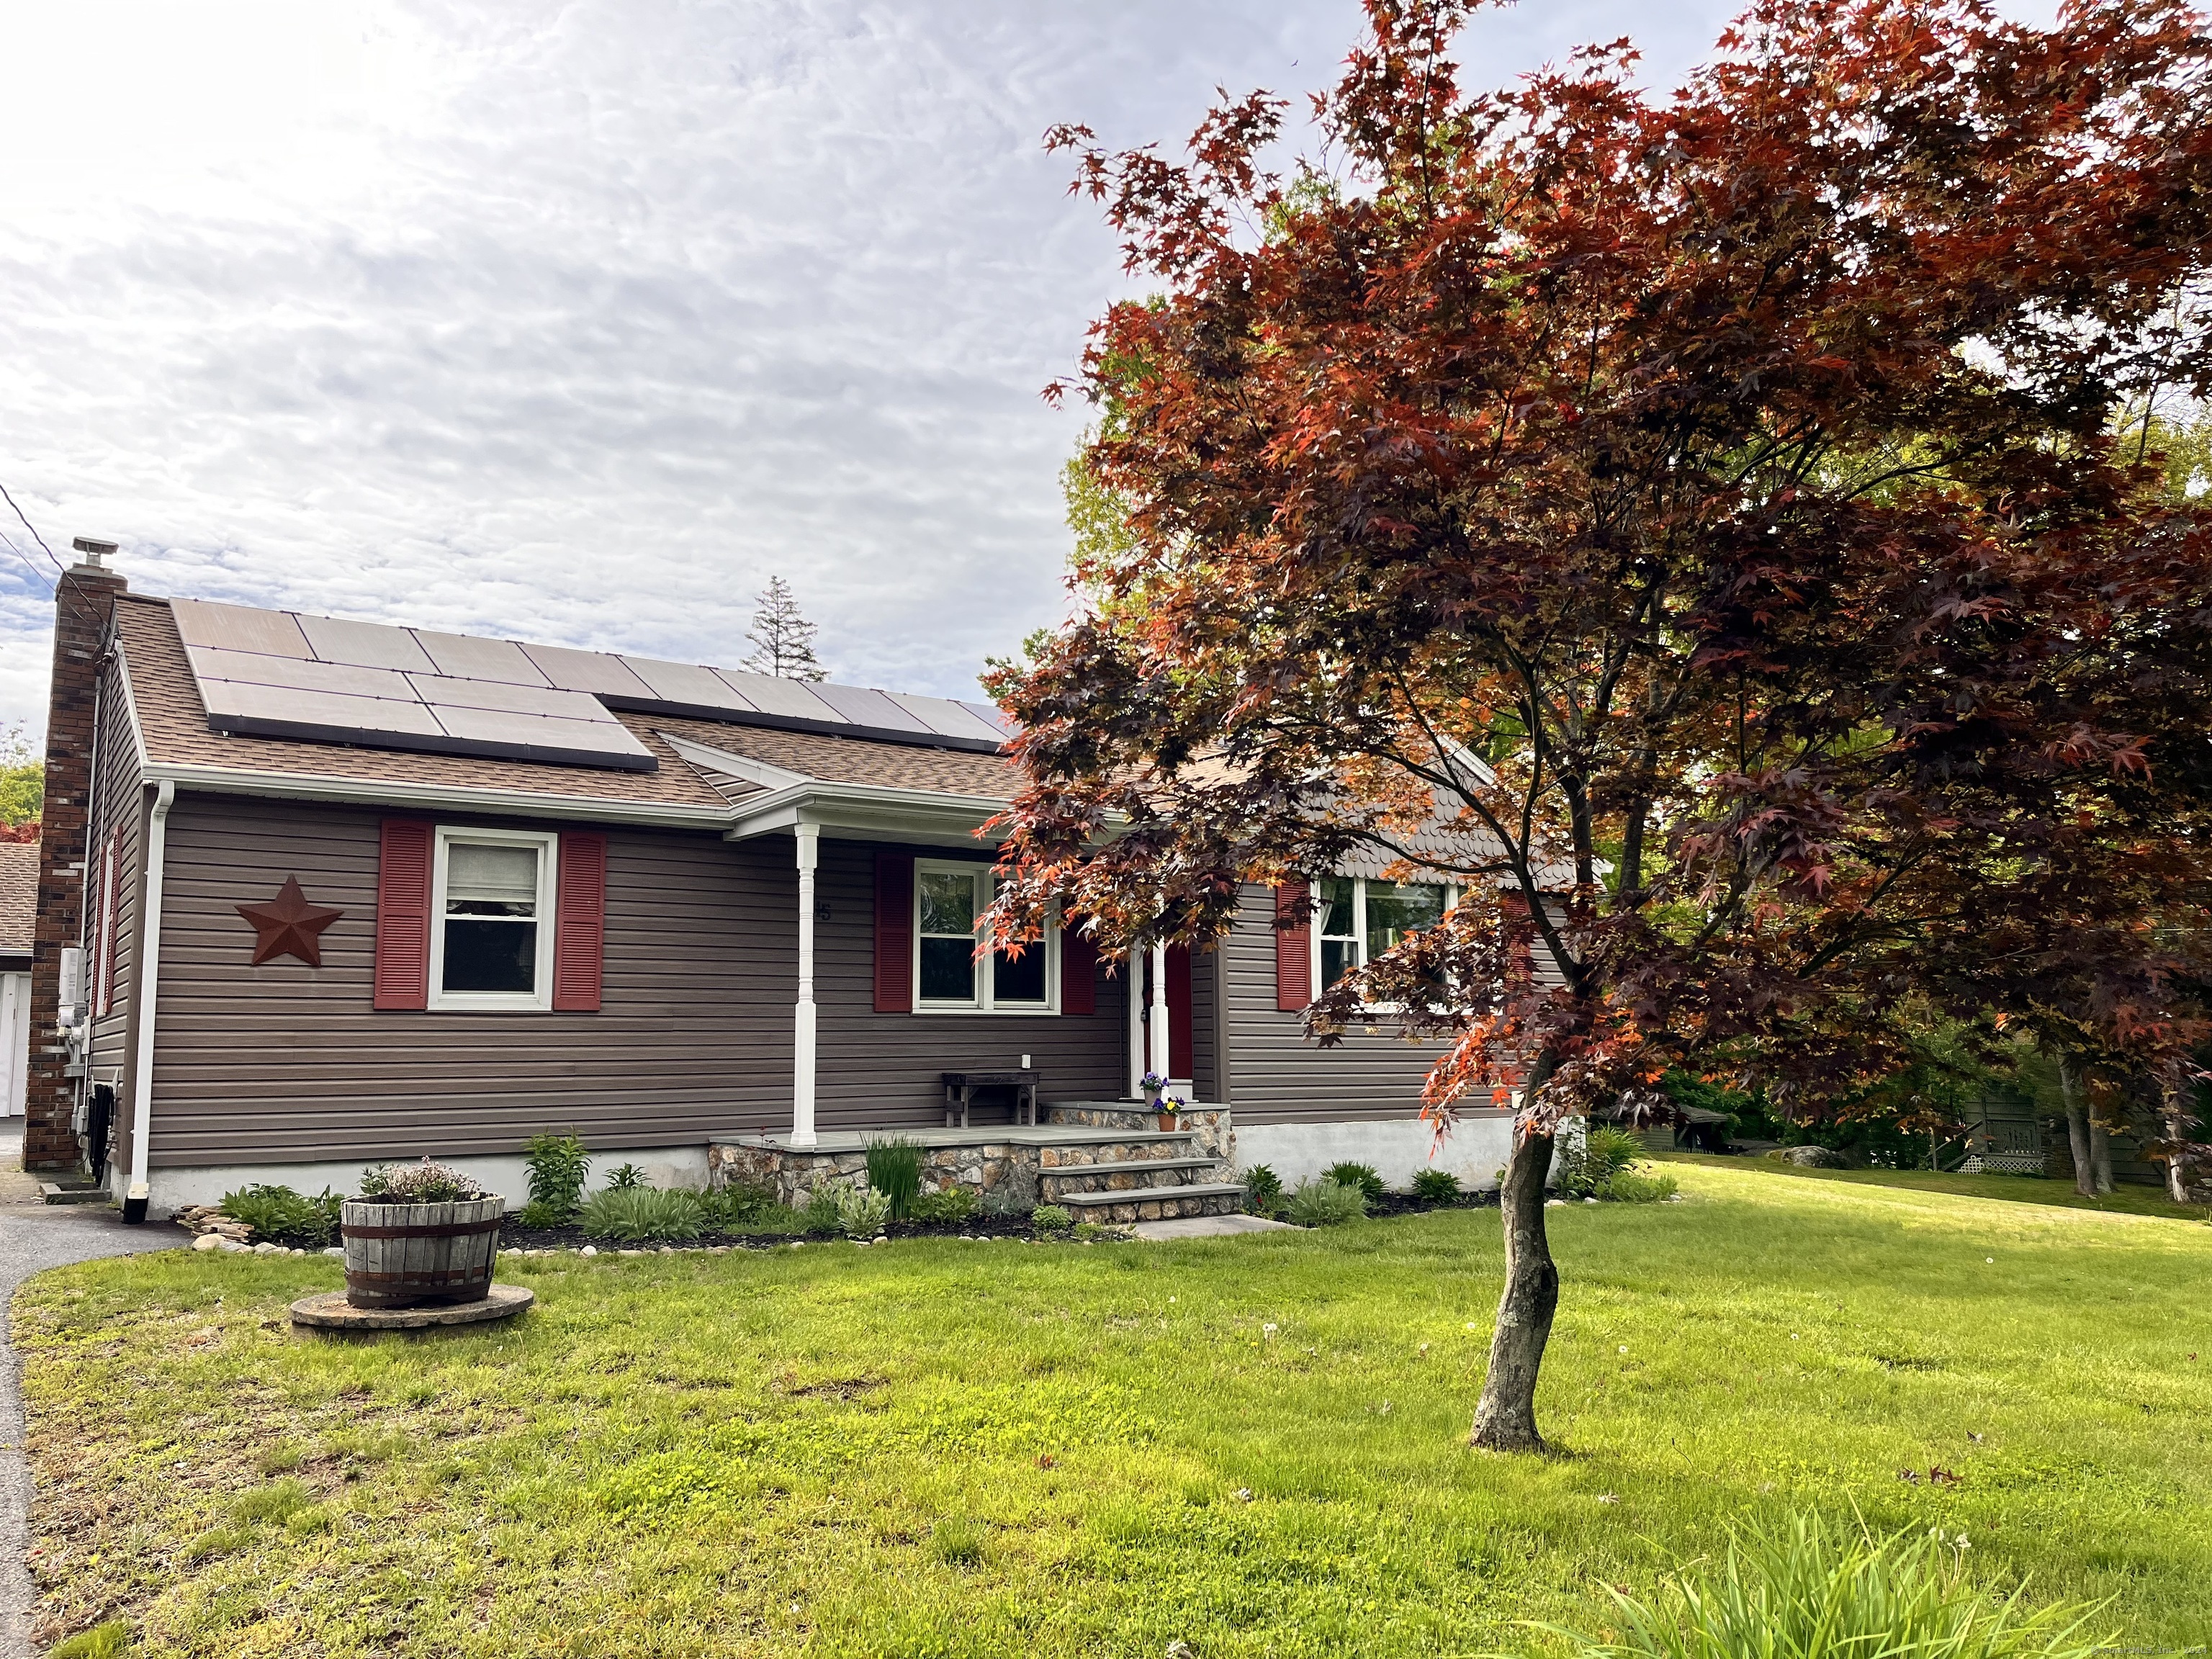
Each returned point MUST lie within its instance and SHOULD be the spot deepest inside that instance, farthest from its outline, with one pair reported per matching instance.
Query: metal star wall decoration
(290, 927)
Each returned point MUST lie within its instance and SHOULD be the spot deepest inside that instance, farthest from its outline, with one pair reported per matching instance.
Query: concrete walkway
(1205, 1227)
(34, 1237)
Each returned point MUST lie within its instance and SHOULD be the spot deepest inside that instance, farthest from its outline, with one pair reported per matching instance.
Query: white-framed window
(1356, 920)
(949, 977)
(491, 919)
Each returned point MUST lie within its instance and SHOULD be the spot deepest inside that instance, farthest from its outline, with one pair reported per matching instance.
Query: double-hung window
(1359, 919)
(491, 919)
(949, 901)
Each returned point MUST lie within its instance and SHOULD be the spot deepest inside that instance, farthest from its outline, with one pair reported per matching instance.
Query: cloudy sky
(574, 321)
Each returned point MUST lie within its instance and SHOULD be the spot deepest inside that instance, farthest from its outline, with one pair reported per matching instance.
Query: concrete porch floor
(976, 1134)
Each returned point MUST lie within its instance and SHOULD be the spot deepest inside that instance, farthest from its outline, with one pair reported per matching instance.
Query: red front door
(1180, 1051)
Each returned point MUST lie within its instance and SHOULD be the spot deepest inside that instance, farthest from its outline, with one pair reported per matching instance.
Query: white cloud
(576, 321)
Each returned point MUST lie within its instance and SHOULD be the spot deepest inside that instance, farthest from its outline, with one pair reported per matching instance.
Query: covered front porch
(868, 1032)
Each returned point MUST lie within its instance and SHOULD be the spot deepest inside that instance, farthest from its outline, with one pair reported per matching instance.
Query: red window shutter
(403, 915)
(1078, 971)
(580, 923)
(894, 932)
(1293, 947)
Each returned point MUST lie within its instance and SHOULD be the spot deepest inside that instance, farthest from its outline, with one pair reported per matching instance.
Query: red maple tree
(1712, 502)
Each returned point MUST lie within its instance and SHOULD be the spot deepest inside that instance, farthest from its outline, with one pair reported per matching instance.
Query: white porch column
(1159, 1044)
(808, 837)
(1133, 982)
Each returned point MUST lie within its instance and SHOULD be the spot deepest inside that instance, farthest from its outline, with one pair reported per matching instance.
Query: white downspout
(149, 979)
(809, 836)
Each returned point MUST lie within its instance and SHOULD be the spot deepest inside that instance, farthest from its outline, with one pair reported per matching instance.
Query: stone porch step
(1156, 1203)
(1058, 1175)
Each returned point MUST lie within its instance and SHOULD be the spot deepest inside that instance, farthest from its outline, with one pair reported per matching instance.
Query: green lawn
(1253, 1444)
(2131, 1198)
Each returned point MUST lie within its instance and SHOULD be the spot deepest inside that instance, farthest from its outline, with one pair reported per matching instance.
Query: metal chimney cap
(92, 548)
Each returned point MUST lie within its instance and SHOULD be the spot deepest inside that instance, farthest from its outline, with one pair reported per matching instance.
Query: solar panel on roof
(294, 673)
(865, 708)
(283, 711)
(367, 645)
(238, 628)
(596, 672)
(535, 737)
(991, 714)
(789, 698)
(472, 659)
(443, 690)
(687, 685)
(946, 717)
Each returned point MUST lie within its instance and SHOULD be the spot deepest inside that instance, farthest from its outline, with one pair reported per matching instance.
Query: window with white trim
(491, 919)
(1359, 919)
(949, 977)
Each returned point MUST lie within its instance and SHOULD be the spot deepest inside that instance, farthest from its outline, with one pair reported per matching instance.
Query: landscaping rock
(1815, 1157)
(207, 1241)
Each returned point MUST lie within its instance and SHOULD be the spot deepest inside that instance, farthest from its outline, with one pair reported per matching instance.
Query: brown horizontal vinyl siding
(884, 1069)
(1279, 1075)
(284, 1062)
(120, 802)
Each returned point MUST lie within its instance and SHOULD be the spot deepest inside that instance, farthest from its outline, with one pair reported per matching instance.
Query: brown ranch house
(316, 894)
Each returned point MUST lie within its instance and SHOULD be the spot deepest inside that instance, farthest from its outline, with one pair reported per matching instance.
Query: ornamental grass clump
(1321, 1202)
(419, 1184)
(895, 1170)
(1803, 1591)
(633, 1215)
(1365, 1176)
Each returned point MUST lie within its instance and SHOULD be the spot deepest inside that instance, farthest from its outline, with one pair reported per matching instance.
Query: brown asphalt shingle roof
(19, 895)
(174, 722)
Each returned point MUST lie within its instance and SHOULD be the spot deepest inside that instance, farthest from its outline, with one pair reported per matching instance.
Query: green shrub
(280, 1216)
(625, 1177)
(946, 1205)
(727, 1209)
(630, 1215)
(1263, 1189)
(1583, 1169)
(558, 1165)
(895, 1170)
(1321, 1202)
(1633, 1187)
(1802, 1592)
(819, 1213)
(1052, 1218)
(956, 1543)
(1436, 1187)
(108, 1641)
(1364, 1176)
(418, 1183)
(861, 1210)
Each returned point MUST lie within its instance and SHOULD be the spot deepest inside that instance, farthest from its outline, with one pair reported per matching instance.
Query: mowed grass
(1254, 1445)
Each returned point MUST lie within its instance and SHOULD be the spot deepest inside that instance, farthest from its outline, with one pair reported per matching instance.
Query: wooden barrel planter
(408, 1256)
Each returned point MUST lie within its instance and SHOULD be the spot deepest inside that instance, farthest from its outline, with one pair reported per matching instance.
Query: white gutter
(149, 979)
(371, 792)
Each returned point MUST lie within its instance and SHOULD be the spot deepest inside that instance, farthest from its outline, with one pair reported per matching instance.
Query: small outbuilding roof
(18, 901)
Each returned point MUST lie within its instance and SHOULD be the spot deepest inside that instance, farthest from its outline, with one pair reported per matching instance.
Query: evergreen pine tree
(783, 639)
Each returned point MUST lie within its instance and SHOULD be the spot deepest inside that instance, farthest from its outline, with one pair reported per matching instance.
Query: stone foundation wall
(1003, 1178)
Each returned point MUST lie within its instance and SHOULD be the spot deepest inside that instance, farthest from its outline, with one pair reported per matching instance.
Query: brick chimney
(84, 603)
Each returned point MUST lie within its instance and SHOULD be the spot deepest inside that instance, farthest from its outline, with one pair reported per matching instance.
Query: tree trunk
(2077, 1125)
(2100, 1154)
(2175, 1102)
(1505, 1416)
